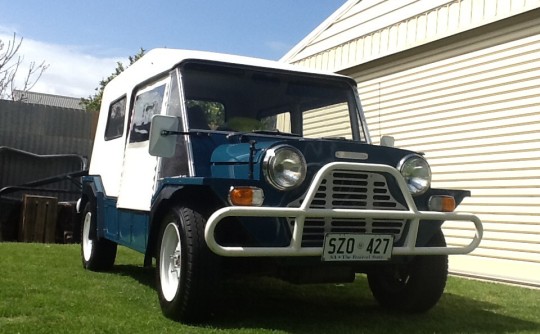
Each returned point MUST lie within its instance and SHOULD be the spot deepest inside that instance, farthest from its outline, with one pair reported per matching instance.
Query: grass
(43, 289)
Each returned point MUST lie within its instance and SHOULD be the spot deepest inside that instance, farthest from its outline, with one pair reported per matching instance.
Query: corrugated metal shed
(42, 129)
(47, 99)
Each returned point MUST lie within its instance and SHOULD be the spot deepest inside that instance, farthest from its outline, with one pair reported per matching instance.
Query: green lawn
(44, 289)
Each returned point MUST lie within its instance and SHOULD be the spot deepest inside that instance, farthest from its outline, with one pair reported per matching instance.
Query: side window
(147, 104)
(115, 119)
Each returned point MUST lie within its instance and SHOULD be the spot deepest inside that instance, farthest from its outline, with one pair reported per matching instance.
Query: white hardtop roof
(160, 60)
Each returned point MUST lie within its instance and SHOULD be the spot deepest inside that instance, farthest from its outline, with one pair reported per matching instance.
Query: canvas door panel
(139, 167)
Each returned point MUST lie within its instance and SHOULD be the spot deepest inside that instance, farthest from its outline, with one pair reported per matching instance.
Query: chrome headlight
(416, 172)
(284, 167)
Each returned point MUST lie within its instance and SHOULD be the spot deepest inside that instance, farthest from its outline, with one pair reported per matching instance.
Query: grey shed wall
(42, 129)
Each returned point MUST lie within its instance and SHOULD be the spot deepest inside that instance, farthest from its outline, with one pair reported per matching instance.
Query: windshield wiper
(336, 138)
(275, 132)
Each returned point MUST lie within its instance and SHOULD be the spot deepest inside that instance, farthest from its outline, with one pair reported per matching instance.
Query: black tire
(412, 287)
(96, 255)
(186, 271)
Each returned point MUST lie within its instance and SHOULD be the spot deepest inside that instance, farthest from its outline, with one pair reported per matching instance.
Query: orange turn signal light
(442, 203)
(246, 196)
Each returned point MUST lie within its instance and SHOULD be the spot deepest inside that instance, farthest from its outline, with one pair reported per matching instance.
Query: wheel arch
(188, 195)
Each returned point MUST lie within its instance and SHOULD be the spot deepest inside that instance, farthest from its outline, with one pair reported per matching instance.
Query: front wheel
(97, 255)
(186, 270)
(415, 286)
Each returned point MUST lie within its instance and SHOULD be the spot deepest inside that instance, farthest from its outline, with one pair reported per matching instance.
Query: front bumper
(307, 211)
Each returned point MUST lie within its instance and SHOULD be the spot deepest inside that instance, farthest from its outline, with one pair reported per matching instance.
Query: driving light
(284, 167)
(416, 172)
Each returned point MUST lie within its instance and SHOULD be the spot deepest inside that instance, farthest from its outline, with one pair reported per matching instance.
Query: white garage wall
(477, 118)
(460, 81)
(364, 30)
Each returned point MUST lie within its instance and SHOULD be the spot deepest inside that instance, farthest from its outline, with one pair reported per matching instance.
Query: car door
(139, 167)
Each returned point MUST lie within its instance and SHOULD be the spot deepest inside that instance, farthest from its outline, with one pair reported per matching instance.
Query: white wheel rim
(86, 242)
(170, 257)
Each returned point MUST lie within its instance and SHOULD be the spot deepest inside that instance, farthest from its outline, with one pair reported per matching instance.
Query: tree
(214, 112)
(93, 102)
(10, 63)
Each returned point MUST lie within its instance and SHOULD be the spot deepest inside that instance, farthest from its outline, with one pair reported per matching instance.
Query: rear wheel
(186, 270)
(97, 255)
(412, 287)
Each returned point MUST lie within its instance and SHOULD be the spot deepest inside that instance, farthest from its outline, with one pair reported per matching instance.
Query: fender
(169, 194)
(159, 204)
(428, 228)
(94, 194)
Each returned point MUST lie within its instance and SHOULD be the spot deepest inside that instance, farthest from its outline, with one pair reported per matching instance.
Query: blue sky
(82, 40)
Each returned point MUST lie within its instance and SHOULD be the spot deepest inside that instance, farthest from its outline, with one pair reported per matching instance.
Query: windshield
(248, 99)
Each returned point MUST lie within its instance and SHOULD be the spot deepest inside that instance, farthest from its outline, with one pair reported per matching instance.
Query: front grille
(343, 189)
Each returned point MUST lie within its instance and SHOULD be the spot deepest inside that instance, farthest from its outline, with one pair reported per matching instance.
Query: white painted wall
(364, 30)
(477, 118)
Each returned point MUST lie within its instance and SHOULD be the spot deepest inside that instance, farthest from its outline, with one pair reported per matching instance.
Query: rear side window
(147, 104)
(115, 119)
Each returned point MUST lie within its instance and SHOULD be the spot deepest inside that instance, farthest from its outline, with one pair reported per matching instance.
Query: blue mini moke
(216, 165)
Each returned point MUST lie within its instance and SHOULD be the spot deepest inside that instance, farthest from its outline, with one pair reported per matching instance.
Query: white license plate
(357, 247)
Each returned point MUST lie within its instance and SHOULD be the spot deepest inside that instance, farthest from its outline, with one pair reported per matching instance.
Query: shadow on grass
(262, 303)
(144, 276)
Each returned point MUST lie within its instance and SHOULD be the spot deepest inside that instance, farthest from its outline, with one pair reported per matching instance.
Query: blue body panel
(231, 161)
(129, 228)
(125, 227)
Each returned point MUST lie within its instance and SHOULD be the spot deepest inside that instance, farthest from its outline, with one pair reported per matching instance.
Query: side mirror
(387, 141)
(162, 143)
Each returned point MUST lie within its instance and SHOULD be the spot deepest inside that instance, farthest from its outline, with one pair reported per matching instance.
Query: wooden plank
(50, 221)
(39, 216)
(26, 224)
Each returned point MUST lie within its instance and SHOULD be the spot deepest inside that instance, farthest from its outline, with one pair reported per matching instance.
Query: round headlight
(416, 172)
(284, 167)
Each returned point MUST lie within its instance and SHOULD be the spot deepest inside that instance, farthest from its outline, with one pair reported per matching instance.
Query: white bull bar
(304, 211)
